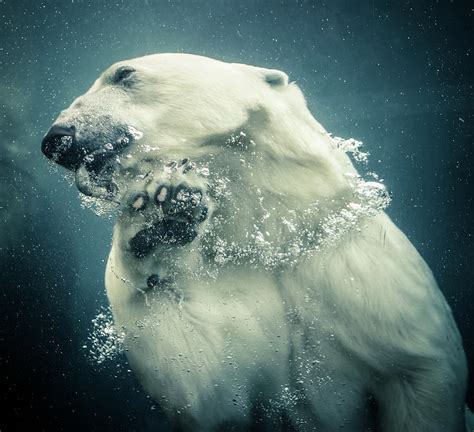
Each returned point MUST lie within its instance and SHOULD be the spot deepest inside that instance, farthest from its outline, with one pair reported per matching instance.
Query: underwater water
(395, 76)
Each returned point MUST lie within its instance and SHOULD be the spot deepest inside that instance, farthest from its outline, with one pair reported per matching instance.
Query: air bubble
(351, 146)
(105, 342)
(134, 133)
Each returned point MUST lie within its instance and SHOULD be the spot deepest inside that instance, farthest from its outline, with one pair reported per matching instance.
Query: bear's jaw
(95, 185)
(96, 175)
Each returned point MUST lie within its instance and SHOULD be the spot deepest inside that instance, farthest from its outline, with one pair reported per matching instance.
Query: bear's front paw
(182, 209)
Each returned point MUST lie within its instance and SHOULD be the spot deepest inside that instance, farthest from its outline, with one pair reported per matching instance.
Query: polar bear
(257, 284)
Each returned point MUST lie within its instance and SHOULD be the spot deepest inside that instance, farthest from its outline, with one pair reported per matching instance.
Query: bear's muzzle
(62, 145)
(59, 145)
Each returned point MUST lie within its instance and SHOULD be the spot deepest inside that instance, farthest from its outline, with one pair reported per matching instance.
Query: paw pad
(181, 202)
(138, 201)
(183, 209)
(161, 194)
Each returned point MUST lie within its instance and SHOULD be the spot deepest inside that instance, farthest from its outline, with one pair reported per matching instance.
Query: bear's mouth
(97, 184)
(94, 175)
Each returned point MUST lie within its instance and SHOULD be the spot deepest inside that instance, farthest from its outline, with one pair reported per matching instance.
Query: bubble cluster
(370, 198)
(104, 342)
(106, 209)
(285, 400)
(302, 235)
(351, 146)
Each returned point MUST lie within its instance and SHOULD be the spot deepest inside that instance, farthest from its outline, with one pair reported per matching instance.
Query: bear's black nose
(59, 145)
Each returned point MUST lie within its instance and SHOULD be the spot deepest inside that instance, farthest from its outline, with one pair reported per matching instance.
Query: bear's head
(172, 105)
(272, 173)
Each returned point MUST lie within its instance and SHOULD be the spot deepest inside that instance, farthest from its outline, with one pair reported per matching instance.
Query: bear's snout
(59, 145)
(62, 145)
(71, 148)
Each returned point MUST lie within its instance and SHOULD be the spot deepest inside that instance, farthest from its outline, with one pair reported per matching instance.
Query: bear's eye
(122, 73)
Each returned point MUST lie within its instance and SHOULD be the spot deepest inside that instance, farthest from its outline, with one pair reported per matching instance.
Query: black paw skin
(181, 201)
(153, 281)
(183, 211)
(166, 232)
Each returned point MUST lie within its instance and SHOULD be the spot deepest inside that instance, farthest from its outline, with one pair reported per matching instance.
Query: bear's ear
(275, 77)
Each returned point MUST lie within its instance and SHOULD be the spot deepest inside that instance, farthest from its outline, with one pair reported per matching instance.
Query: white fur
(309, 339)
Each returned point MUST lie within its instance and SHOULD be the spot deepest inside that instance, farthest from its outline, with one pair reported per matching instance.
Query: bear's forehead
(170, 62)
(195, 72)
